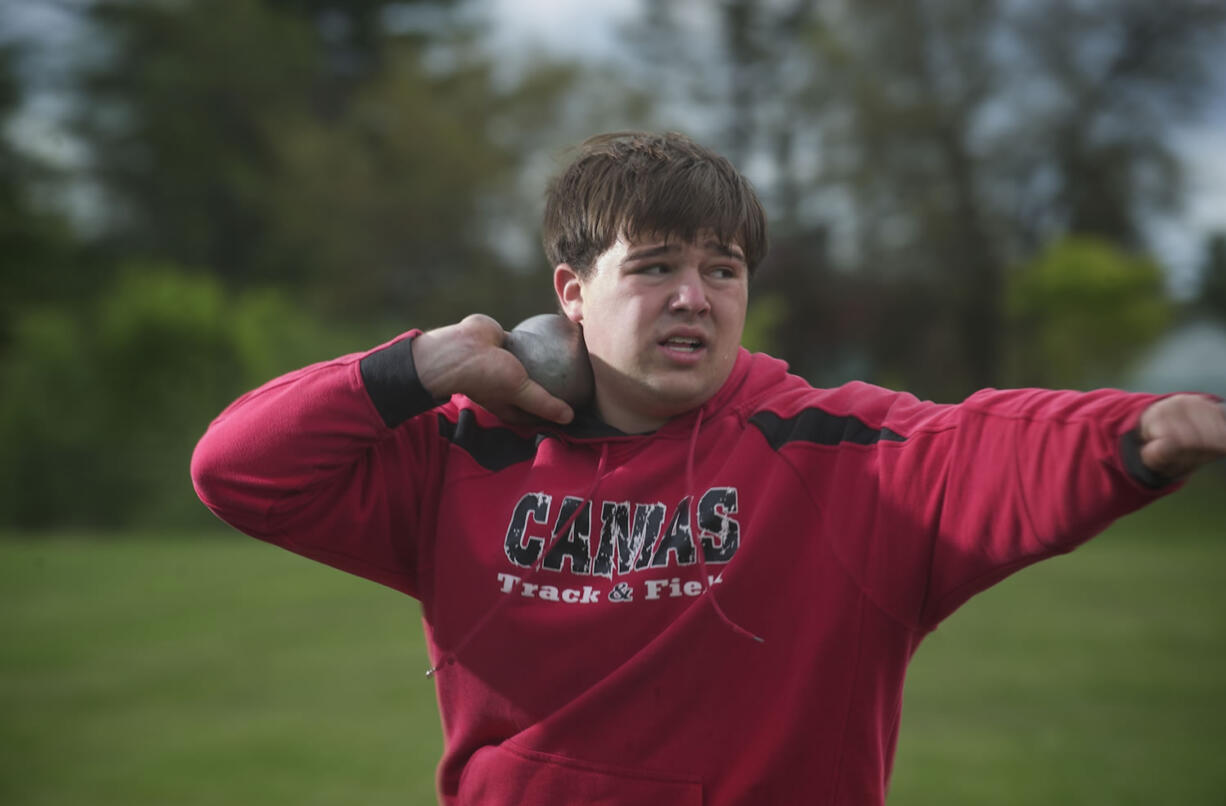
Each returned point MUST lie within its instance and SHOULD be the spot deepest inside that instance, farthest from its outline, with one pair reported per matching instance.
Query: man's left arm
(1010, 477)
(1180, 433)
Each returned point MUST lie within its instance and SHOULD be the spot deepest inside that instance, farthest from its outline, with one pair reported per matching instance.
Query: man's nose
(690, 293)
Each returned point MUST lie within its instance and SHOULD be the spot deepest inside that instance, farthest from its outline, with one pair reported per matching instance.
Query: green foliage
(762, 321)
(379, 209)
(1213, 277)
(943, 142)
(376, 170)
(304, 143)
(105, 401)
(1081, 311)
(271, 145)
(35, 245)
(184, 119)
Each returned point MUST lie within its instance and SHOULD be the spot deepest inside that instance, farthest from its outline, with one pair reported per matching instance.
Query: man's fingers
(1170, 458)
(532, 398)
(1181, 433)
(470, 358)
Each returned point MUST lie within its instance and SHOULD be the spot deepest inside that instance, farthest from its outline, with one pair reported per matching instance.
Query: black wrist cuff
(392, 383)
(1130, 453)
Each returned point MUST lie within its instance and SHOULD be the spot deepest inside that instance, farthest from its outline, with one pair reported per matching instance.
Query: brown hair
(643, 184)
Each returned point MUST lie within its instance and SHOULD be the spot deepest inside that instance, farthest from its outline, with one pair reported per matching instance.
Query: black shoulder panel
(820, 428)
(492, 448)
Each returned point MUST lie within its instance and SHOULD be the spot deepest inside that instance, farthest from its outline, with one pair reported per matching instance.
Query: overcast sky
(587, 28)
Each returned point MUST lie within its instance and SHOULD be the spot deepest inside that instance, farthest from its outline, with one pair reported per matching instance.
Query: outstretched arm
(1182, 432)
(1010, 477)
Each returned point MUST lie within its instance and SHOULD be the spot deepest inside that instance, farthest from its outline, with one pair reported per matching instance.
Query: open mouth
(683, 344)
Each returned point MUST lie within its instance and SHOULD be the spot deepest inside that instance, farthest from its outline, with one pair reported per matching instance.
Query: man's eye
(724, 272)
(655, 268)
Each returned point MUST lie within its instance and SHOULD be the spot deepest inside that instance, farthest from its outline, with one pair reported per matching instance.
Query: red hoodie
(720, 612)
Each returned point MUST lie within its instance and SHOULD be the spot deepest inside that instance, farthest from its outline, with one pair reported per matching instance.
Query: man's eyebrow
(651, 251)
(727, 250)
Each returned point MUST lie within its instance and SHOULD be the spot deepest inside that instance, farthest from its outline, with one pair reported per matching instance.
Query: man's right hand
(467, 358)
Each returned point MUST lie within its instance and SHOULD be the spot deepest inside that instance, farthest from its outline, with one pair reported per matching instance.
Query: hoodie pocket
(503, 775)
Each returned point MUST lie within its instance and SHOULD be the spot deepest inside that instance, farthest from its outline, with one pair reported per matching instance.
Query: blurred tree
(749, 91)
(1213, 277)
(182, 114)
(978, 131)
(311, 161)
(390, 203)
(942, 141)
(350, 149)
(103, 402)
(35, 244)
(1082, 310)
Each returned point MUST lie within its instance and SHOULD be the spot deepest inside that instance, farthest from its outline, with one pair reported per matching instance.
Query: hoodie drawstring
(587, 501)
(708, 590)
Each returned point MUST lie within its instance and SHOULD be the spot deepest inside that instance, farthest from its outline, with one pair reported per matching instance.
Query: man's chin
(675, 396)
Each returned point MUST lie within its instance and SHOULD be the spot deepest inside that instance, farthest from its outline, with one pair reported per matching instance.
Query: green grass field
(212, 669)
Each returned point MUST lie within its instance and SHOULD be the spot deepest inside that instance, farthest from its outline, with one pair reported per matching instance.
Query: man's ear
(569, 289)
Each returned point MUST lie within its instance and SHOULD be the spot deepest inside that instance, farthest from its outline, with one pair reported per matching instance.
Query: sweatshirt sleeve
(962, 496)
(336, 461)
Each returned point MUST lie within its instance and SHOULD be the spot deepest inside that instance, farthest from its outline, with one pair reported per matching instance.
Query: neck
(626, 421)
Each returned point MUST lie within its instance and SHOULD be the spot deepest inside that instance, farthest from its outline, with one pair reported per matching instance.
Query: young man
(706, 588)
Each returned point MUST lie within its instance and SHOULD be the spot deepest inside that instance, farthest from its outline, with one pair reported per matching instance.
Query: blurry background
(198, 195)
